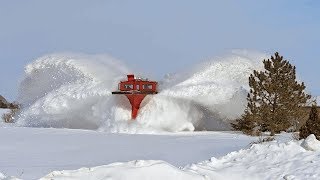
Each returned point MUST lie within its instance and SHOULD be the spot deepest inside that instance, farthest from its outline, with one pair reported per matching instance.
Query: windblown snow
(74, 91)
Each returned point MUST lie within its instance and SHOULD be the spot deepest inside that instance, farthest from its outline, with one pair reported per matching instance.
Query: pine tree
(275, 97)
(245, 123)
(312, 125)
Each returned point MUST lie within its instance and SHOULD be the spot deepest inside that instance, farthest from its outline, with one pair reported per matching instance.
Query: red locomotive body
(136, 90)
(136, 86)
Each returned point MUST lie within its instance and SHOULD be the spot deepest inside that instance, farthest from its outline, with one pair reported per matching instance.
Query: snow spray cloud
(217, 87)
(74, 91)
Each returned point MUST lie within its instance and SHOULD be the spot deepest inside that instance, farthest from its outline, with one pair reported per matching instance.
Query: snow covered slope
(74, 91)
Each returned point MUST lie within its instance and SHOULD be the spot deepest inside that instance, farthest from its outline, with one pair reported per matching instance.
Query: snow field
(31, 153)
(267, 161)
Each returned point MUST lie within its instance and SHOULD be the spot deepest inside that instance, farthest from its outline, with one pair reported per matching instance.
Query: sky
(158, 36)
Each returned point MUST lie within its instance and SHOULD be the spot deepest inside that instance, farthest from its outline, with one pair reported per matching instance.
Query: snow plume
(74, 91)
(68, 90)
(217, 88)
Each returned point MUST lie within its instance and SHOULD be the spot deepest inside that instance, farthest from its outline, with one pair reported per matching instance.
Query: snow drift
(270, 160)
(74, 91)
(157, 170)
(311, 143)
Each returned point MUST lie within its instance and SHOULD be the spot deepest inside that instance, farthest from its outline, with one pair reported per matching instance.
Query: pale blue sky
(160, 36)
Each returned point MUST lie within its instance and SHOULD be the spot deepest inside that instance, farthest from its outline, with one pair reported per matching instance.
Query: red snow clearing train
(136, 90)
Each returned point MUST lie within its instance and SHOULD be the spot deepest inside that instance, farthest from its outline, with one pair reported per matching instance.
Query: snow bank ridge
(157, 170)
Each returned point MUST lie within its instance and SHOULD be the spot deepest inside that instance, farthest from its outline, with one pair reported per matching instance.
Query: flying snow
(74, 91)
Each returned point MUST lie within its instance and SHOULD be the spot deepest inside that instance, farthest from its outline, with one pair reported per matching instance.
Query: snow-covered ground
(30, 153)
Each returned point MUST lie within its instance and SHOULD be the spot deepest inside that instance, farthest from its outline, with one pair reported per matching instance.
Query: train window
(128, 86)
(137, 87)
(147, 86)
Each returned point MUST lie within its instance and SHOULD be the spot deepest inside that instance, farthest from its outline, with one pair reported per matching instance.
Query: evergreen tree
(275, 97)
(312, 125)
(245, 123)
